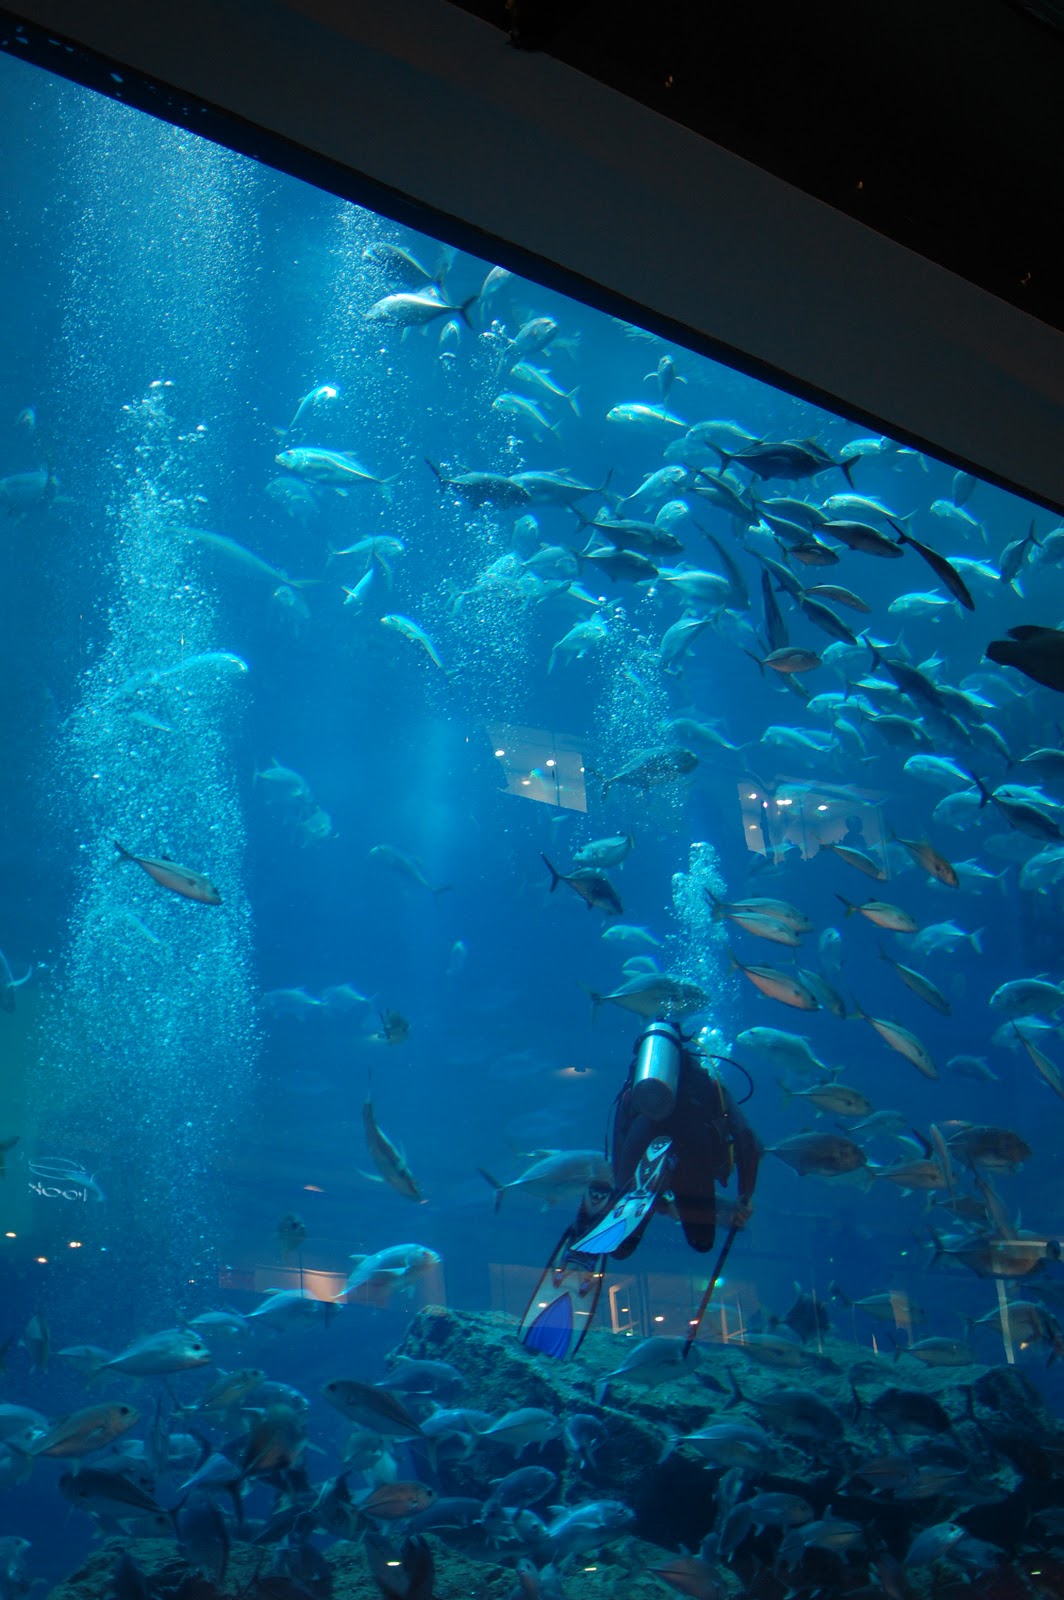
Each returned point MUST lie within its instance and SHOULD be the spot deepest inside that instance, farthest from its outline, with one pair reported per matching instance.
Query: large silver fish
(171, 875)
(387, 1158)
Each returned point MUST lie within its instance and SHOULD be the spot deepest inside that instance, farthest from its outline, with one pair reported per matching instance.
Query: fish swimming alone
(387, 1158)
(593, 887)
(191, 885)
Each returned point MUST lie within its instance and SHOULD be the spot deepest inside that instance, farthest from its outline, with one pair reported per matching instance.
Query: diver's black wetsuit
(710, 1138)
(673, 1162)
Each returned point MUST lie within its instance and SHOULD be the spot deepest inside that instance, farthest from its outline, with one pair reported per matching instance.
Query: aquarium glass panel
(405, 1187)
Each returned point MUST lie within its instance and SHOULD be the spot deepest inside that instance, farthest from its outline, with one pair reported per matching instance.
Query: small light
(500, 753)
(552, 763)
(591, 1569)
(821, 808)
(784, 802)
(693, 1322)
(10, 1235)
(752, 826)
(541, 1305)
(525, 782)
(624, 1311)
(74, 1244)
(312, 1188)
(42, 1261)
(393, 1563)
(659, 1319)
(751, 797)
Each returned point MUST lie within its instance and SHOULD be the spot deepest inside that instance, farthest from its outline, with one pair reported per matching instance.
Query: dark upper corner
(936, 124)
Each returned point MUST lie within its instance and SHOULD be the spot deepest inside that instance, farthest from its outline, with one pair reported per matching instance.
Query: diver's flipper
(632, 1209)
(562, 1307)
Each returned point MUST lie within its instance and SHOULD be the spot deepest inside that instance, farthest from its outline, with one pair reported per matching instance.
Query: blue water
(168, 306)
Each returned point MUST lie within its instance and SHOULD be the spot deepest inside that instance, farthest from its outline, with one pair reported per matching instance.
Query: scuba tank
(656, 1073)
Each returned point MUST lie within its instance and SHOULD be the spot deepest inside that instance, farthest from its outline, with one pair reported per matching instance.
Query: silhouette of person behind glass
(854, 835)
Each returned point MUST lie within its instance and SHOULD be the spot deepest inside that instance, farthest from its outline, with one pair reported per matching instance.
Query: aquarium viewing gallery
(530, 959)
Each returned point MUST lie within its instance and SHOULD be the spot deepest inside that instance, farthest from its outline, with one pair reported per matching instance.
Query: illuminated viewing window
(540, 765)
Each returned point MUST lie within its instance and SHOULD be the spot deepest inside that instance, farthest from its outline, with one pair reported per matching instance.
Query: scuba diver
(677, 1132)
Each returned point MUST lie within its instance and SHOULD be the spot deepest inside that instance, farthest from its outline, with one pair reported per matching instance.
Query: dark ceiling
(936, 123)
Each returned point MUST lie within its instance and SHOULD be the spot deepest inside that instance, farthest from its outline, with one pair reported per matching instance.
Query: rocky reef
(991, 1424)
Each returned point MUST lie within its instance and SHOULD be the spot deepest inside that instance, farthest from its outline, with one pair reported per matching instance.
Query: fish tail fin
(463, 309)
(555, 875)
(434, 469)
(574, 400)
(495, 1184)
(601, 1391)
(846, 468)
(123, 853)
(850, 907)
(597, 1001)
(836, 1293)
(976, 940)
(737, 1396)
(672, 1439)
(444, 888)
(760, 663)
(718, 905)
(984, 793)
(604, 490)
(786, 1091)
